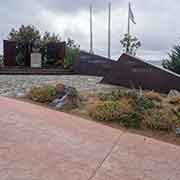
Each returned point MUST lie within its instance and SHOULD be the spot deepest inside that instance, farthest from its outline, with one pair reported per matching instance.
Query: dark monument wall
(56, 50)
(90, 64)
(132, 72)
(9, 53)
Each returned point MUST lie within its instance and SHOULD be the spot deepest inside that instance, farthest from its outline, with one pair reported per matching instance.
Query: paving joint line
(105, 158)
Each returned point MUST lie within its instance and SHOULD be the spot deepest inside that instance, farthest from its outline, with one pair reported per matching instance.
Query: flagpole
(129, 20)
(91, 31)
(128, 33)
(109, 32)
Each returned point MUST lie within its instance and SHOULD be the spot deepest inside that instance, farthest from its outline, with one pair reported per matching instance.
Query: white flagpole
(91, 30)
(129, 19)
(109, 32)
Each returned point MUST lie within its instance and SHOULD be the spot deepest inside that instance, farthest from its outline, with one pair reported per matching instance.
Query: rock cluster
(67, 97)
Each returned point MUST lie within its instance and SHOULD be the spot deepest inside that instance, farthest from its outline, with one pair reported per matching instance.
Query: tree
(25, 34)
(72, 44)
(72, 53)
(173, 63)
(1, 59)
(28, 35)
(130, 44)
(50, 37)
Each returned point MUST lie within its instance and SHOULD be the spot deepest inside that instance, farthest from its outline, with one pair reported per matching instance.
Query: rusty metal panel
(27, 50)
(9, 53)
(132, 72)
(56, 50)
(91, 64)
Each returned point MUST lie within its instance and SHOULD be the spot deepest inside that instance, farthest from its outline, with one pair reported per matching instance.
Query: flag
(131, 15)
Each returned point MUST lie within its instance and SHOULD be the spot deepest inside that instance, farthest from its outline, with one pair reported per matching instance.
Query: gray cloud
(157, 22)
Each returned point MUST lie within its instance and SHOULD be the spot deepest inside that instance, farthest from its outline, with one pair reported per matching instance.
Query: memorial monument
(36, 57)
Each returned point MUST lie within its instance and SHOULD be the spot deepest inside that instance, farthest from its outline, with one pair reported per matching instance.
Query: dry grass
(153, 96)
(175, 100)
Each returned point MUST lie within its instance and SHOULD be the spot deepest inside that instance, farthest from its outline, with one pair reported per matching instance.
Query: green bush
(1, 59)
(131, 120)
(71, 55)
(142, 103)
(43, 94)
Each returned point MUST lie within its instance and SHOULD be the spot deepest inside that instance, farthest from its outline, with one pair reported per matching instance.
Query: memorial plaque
(36, 60)
(91, 64)
(133, 72)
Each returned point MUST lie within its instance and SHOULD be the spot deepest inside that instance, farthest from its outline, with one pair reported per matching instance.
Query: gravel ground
(10, 85)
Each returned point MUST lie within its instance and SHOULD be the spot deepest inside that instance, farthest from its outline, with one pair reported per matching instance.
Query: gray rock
(178, 131)
(58, 102)
(20, 94)
(69, 99)
(173, 93)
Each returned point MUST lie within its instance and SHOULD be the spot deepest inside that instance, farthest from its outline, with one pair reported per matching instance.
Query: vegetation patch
(138, 110)
(154, 96)
(43, 94)
(175, 100)
(110, 110)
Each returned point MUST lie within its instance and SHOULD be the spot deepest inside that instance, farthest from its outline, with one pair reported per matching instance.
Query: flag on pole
(131, 15)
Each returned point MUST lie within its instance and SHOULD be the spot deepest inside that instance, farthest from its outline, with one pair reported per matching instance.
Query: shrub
(131, 120)
(175, 100)
(110, 110)
(160, 119)
(176, 112)
(112, 96)
(153, 96)
(117, 95)
(142, 103)
(42, 94)
(71, 55)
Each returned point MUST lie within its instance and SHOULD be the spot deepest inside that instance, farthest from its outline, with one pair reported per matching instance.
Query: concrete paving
(41, 144)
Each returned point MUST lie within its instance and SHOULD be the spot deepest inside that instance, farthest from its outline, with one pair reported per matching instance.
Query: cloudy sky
(158, 25)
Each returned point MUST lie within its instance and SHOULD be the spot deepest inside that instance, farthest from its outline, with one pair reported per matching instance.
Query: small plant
(112, 96)
(131, 120)
(43, 94)
(153, 96)
(110, 110)
(159, 119)
(142, 103)
(117, 95)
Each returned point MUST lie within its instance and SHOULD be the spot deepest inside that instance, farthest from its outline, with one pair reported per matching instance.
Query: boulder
(173, 93)
(60, 88)
(178, 131)
(20, 94)
(70, 99)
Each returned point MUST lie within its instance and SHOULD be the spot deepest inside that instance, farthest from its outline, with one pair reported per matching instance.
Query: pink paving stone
(38, 143)
(139, 158)
(41, 144)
